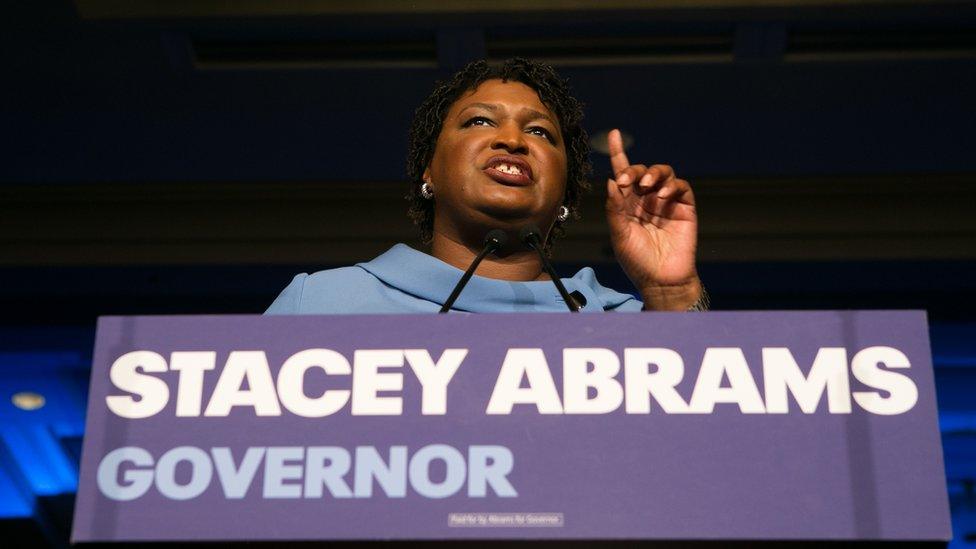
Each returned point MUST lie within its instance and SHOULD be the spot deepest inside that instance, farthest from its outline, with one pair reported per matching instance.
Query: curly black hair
(554, 93)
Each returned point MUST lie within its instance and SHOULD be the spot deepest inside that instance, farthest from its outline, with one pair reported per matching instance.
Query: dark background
(192, 156)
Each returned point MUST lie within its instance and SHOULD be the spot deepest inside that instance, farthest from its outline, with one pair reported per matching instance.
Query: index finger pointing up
(615, 146)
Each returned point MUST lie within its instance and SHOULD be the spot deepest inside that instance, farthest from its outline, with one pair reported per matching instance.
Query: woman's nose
(510, 137)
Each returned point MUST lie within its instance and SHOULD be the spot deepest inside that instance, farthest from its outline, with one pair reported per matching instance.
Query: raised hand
(653, 229)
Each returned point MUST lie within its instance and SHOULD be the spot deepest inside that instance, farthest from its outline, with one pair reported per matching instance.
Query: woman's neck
(521, 265)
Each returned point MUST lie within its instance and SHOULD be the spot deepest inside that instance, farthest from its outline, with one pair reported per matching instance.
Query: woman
(503, 148)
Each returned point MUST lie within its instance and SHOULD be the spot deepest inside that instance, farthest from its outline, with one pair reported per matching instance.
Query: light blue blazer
(404, 280)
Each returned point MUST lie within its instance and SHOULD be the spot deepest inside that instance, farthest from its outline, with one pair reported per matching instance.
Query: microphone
(530, 236)
(494, 241)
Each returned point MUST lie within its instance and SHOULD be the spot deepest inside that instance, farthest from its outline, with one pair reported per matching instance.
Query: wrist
(680, 297)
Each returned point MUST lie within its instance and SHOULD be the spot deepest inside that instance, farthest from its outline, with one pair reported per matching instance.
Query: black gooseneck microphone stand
(494, 241)
(530, 236)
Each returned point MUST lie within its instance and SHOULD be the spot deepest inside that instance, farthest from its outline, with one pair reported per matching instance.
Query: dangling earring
(563, 214)
(426, 191)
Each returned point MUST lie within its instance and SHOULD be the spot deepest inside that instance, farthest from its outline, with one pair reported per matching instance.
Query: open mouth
(509, 170)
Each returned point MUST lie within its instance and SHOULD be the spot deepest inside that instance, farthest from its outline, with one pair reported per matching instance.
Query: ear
(426, 174)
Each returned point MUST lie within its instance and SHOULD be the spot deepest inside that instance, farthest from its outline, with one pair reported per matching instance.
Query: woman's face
(500, 161)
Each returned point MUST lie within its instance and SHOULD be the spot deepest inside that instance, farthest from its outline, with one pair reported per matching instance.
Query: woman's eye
(536, 130)
(477, 121)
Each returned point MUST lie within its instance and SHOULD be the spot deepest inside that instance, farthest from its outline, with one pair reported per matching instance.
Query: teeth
(509, 169)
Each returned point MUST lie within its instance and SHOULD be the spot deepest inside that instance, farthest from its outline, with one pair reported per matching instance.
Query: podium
(687, 428)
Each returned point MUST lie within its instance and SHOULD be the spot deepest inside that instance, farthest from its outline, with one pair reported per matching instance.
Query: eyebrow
(494, 108)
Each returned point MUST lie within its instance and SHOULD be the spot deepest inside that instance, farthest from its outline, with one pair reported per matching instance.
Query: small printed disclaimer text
(509, 520)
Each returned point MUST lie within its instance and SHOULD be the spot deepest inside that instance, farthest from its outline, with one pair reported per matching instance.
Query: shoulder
(323, 292)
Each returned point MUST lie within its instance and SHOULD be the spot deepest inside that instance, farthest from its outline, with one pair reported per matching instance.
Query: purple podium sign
(717, 426)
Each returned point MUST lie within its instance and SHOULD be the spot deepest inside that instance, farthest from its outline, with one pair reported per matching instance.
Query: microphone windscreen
(530, 234)
(497, 238)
